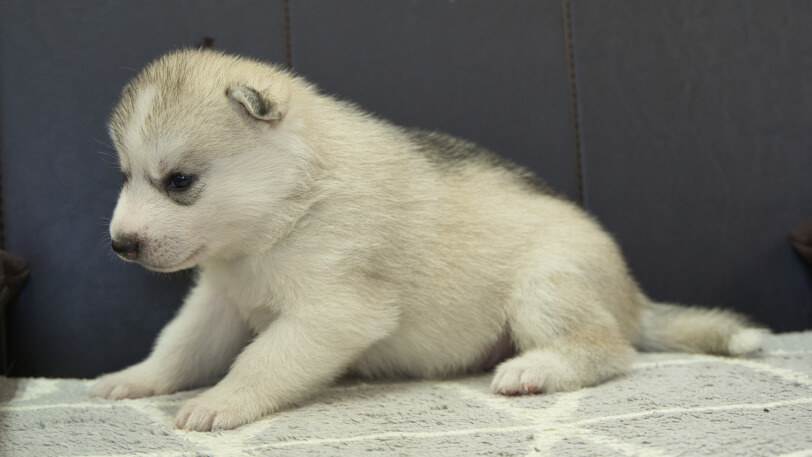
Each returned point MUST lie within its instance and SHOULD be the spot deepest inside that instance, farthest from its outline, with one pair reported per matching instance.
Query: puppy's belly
(418, 356)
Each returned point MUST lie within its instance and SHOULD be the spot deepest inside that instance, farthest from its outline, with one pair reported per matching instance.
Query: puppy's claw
(210, 412)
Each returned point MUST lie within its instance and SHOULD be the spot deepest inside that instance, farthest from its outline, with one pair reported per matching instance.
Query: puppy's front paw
(216, 410)
(117, 387)
(133, 382)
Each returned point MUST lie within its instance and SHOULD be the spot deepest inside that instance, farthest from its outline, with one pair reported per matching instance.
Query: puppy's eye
(179, 181)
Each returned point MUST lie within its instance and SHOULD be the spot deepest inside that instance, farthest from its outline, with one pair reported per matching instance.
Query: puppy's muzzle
(126, 246)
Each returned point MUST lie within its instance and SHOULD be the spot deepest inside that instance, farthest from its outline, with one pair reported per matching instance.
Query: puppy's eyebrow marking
(188, 161)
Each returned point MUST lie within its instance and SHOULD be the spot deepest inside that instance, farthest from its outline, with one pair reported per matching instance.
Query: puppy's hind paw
(530, 373)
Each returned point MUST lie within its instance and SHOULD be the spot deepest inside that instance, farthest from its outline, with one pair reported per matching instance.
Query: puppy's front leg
(195, 348)
(291, 360)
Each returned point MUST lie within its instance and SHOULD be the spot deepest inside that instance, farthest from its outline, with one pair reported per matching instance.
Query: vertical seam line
(4, 368)
(2, 207)
(575, 113)
(288, 46)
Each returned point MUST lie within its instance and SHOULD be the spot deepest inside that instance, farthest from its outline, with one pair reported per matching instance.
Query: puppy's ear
(260, 105)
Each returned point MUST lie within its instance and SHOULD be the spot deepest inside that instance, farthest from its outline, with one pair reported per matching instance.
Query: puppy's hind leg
(566, 337)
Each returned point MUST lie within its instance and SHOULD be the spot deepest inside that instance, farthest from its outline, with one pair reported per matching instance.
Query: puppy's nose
(126, 246)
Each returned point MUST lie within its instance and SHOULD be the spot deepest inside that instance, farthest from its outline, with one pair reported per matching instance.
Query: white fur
(141, 109)
(746, 341)
(328, 241)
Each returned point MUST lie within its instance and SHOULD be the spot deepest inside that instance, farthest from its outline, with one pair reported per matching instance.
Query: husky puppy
(329, 242)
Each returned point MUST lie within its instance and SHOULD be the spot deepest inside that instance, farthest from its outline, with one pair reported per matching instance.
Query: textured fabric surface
(685, 123)
(669, 405)
(694, 122)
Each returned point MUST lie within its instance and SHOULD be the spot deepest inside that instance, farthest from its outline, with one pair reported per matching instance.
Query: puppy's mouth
(190, 261)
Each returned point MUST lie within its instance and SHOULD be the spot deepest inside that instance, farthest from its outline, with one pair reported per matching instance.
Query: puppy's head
(208, 157)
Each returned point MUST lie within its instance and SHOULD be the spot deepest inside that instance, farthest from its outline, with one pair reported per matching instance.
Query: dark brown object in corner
(801, 239)
(13, 274)
(208, 43)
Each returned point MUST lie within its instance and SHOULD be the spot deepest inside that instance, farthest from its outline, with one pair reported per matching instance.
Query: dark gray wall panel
(695, 125)
(63, 65)
(492, 72)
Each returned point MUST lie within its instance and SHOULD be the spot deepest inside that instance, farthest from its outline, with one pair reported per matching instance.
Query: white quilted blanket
(670, 405)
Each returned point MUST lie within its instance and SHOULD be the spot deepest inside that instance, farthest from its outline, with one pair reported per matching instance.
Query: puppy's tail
(668, 327)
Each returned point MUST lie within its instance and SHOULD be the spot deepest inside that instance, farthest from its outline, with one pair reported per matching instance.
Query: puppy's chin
(191, 261)
(166, 269)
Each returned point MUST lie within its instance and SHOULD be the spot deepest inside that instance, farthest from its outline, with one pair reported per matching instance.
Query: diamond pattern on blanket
(741, 431)
(79, 431)
(381, 408)
(669, 405)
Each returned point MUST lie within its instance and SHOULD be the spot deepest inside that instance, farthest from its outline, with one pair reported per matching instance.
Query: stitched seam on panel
(4, 364)
(576, 126)
(288, 46)
(2, 212)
